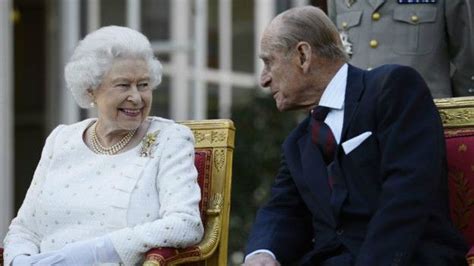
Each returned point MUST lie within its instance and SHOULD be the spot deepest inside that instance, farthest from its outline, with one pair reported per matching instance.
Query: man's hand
(261, 259)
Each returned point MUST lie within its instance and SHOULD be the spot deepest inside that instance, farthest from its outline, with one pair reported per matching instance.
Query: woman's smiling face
(124, 96)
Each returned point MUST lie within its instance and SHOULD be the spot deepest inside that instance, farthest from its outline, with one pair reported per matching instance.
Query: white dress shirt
(333, 97)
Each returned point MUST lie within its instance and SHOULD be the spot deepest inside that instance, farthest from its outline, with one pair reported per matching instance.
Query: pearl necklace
(114, 149)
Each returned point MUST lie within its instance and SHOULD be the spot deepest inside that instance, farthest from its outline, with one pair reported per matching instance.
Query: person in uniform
(433, 36)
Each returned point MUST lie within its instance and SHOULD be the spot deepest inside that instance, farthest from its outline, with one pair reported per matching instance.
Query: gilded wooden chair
(457, 115)
(213, 160)
(214, 148)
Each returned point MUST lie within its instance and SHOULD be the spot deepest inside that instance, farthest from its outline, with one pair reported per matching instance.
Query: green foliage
(260, 132)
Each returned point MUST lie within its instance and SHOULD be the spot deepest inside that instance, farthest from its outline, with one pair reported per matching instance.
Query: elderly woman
(106, 190)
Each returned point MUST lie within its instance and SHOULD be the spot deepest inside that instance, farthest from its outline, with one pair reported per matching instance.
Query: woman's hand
(99, 250)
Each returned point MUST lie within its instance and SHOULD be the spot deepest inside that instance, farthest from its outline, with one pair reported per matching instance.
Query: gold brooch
(148, 144)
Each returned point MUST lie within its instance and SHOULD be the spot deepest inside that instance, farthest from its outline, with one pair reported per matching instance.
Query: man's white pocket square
(350, 144)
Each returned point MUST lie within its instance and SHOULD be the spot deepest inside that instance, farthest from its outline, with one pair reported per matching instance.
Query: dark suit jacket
(389, 203)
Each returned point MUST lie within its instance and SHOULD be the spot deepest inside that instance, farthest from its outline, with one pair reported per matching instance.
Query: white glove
(22, 260)
(89, 252)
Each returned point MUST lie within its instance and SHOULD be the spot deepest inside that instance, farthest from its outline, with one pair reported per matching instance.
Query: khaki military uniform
(433, 36)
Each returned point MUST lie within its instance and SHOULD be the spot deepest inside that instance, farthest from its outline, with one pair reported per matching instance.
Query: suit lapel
(314, 176)
(354, 89)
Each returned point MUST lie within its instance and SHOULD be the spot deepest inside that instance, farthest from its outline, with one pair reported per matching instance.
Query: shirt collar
(335, 93)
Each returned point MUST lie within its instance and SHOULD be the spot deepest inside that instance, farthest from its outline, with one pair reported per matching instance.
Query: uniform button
(470, 90)
(339, 231)
(344, 25)
(376, 16)
(415, 18)
(472, 78)
(374, 43)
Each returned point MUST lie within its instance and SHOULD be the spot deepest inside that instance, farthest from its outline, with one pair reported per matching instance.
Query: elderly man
(362, 179)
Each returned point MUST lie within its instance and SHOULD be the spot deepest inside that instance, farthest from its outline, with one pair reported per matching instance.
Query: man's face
(281, 74)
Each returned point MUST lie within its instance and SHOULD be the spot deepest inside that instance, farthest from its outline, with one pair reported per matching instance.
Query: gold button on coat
(376, 16)
(344, 24)
(374, 43)
(415, 18)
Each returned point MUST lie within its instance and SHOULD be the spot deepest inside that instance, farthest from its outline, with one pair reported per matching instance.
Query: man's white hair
(95, 54)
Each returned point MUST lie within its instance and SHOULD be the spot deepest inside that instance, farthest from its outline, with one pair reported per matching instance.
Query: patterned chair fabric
(460, 151)
(213, 160)
(457, 115)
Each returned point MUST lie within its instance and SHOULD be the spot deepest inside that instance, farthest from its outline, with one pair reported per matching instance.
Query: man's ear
(304, 53)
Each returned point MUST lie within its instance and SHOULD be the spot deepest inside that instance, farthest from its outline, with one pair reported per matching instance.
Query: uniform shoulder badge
(345, 42)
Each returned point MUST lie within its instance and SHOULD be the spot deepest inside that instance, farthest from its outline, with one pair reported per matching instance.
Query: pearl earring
(92, 104)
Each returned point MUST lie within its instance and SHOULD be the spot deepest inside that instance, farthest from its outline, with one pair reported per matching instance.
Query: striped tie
(321, 134)
(323, 137)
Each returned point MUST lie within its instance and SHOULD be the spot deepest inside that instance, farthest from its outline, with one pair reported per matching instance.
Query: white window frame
(6, 116)
(184, 49)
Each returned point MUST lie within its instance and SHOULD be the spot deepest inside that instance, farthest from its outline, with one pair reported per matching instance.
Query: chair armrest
(207, 246)
(470, 257)
(170, 256)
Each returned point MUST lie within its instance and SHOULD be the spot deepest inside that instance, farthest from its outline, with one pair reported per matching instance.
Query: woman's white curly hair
(95, 54)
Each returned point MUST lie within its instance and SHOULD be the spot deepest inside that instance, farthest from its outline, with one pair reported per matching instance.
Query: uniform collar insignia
(349, 3)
